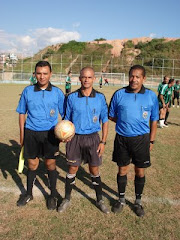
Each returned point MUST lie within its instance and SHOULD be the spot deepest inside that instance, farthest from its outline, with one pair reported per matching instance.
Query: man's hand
(150, 147)
(100, 149)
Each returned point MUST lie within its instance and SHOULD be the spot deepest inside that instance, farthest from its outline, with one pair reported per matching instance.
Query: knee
(33, 164)
(94, 171)
(139, 172)
(73, 170)
(123, 171)
(51, 165)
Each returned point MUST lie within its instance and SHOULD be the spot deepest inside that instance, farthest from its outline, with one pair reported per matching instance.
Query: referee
(131, 108)
(87, 109)
(42, 103)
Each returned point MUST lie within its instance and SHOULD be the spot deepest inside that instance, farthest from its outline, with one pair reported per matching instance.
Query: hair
(171, 80)
(138, 67)
(177, 81)
(86, 68)
(43, 64)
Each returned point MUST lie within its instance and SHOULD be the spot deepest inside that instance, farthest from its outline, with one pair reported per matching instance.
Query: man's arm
(153, 130)
(101, 146)
(21, 128)
(162, 100)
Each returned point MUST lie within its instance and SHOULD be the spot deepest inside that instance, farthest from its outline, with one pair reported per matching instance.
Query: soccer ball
(64, 130)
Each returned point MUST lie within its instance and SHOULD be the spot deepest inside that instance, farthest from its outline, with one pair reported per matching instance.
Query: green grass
(83, 220)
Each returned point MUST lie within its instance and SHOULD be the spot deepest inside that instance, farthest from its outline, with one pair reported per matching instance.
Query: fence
(115, 69)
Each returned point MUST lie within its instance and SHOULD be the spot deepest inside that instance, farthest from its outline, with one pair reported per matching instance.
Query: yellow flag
(21, 161)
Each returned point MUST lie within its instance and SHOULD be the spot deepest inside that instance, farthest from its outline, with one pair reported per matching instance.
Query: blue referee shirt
(134, 111)
(42, 107)
(86, 113)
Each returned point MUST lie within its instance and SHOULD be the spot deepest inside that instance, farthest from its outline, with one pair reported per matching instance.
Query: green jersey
(167, 92)
(177, 87)
(33, 80)
(68, 82)
(100, 80)
(160, 87)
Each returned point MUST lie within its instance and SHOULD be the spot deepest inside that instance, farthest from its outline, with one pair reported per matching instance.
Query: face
(166, 80)
(87, 78)
(172, 84)
(43, 76)
(136, 80)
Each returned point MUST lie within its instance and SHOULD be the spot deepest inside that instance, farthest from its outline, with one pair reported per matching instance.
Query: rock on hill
(118, 44)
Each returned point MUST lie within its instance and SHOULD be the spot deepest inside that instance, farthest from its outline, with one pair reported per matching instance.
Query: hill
(111, 56)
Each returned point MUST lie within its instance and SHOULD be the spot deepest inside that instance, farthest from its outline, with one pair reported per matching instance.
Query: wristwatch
(152, 142)
(103, 142)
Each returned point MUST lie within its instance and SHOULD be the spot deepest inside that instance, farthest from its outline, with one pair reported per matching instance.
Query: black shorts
(40, 144)
(68, 90)
(132, 149)
(176, 95)
(83, 148)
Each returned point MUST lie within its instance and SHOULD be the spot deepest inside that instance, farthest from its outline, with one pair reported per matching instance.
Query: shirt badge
(95, 119)
(145, 115)
(52, 112)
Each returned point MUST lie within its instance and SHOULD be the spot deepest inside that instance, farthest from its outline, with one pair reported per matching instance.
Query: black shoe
(138, 209)
(24, 199)
(166, 123)
(102, 206)
(118, 207)
(51, 203)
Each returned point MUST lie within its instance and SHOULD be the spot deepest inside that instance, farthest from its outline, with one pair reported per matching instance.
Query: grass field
(83, 220)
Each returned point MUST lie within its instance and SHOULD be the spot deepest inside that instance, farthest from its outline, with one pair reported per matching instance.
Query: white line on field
(37, 192)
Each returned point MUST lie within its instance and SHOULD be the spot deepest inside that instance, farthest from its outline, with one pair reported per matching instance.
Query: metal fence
(115, 69)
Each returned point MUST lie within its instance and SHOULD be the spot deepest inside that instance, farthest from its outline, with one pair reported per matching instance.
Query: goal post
(111, 78)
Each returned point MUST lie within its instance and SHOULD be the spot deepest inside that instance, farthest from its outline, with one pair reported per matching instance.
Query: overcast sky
(28, 26)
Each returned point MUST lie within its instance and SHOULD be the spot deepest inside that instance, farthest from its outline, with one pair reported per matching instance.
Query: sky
(29, 26)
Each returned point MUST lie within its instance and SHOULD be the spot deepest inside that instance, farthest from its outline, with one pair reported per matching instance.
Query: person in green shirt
(164, 98)
(68, 83)
(176, 93)
(100, 81)
(33, 79)
(160, 86)
(162, 113)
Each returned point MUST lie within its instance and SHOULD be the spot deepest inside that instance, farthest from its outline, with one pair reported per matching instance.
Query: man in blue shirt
(87, 109)
(131, 108)
(42, 103)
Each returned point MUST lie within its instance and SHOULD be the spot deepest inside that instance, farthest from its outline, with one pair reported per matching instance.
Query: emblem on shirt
(52, 112)
(95, 119)
(145, 114)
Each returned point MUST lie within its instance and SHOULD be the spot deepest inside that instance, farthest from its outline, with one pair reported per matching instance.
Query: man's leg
(173, 103)
(70, 181)
(162, 117)
(166, 117)
(31, 177)
(52, 175)
(121, 182)
(178, 100)
(139, 183)
(97, 184)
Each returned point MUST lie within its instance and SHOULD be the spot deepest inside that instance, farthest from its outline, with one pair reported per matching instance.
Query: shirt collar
(37, 88)
(92, 94)
(129, 90)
